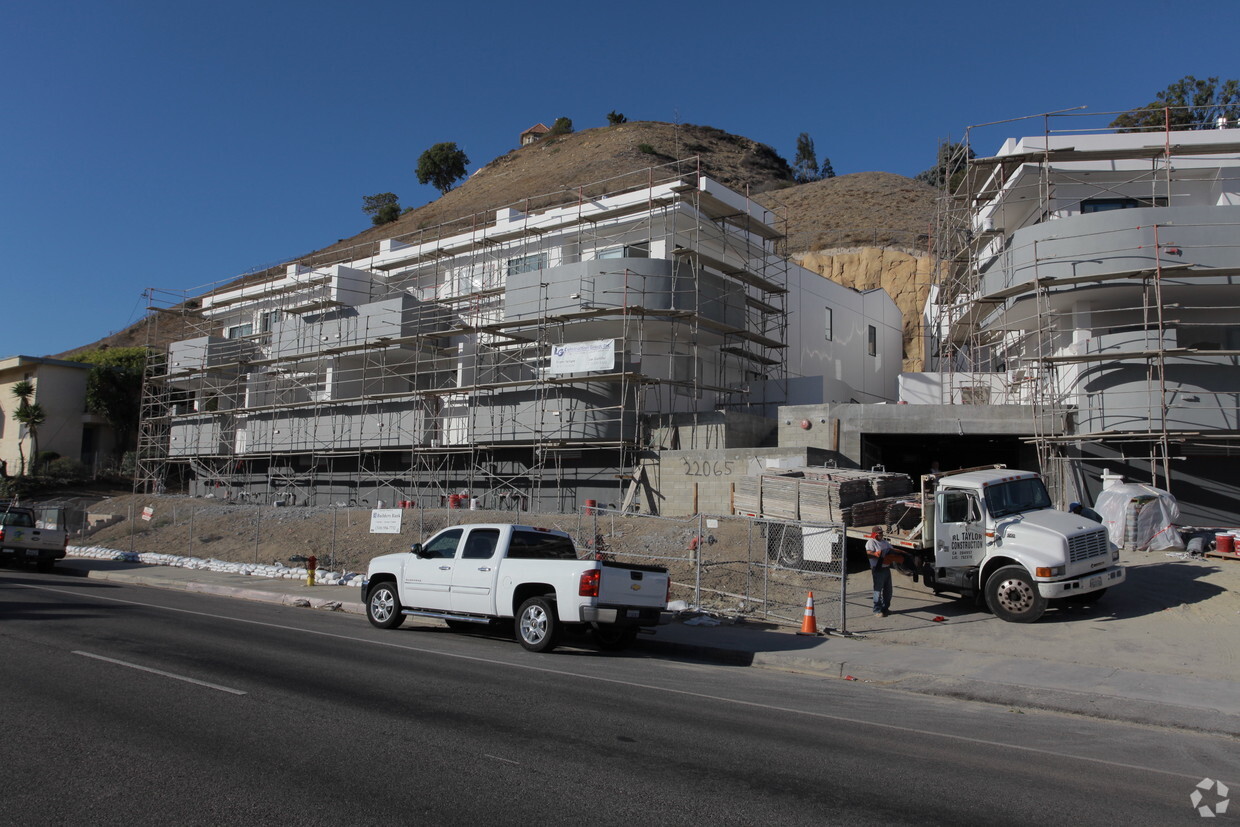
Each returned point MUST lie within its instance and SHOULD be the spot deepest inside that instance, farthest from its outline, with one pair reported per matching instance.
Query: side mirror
(416, 549)
(975, 511)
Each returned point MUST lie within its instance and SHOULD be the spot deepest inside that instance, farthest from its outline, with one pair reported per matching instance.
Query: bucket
(1225, 543)
(591, 505)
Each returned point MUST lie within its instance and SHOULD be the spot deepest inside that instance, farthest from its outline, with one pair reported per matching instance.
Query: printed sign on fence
(385, 521)
(148, 513)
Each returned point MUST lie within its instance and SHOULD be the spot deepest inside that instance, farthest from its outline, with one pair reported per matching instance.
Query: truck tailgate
(32, 538)
(622, 585)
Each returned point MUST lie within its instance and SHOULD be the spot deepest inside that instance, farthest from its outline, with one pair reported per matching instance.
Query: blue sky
(176, 144)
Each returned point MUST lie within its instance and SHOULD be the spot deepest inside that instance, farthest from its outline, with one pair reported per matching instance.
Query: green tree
(805, 167)
(383, 207)
(562, 126)
(442, 166)
(1188, 103)
(30, 415)
(114, 390)
(615, 118)
(947, 172)
(827, 170)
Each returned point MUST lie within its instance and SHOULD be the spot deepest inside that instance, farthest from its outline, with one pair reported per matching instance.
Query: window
(630, 251)
(871, 338)
(828, 325)
(527, 264)
(237, 331)
(1092, 205)
(538, 545)
(954, 507)
(267, 320)
(442, 546)
(1016, 497)
(481, 544)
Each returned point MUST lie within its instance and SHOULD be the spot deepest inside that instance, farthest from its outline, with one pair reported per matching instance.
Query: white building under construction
(526, 358)
(1096, 279)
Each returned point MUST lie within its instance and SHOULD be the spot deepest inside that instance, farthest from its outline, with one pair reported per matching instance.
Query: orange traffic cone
(809, 626)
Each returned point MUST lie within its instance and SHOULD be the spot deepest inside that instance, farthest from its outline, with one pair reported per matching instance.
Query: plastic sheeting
(1140, 516)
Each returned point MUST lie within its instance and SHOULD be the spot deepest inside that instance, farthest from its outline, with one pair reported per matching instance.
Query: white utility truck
(471, 575)
(993, 532)
(990, 533)
(22, 540)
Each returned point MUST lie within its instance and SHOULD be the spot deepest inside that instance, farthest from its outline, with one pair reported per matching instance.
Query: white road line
(671, 691)
(497, 758)
(161, 672)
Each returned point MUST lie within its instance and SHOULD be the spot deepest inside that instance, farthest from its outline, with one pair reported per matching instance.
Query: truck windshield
(1016, 497)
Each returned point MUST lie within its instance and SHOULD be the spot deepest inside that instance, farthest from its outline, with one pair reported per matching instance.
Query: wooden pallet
(1224, 555)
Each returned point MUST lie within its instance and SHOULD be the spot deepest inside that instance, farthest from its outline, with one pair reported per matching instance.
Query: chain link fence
(757, 568)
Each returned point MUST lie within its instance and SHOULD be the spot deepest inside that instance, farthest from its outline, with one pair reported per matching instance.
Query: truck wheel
(1012, 595)
(383, 606)
(537, 625)
(612, 638)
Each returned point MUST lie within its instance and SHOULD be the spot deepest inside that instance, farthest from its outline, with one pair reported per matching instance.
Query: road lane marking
(160, 672)
(497, 758)
(633, 684)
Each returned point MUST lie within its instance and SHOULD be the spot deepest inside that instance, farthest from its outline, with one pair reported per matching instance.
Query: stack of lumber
(747, 496)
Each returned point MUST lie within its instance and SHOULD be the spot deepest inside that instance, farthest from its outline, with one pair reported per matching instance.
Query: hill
(863, 209)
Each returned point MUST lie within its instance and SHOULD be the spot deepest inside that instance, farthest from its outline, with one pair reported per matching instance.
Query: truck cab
(994, 533)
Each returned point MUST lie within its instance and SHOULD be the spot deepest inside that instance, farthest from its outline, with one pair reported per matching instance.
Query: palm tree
(31, 415)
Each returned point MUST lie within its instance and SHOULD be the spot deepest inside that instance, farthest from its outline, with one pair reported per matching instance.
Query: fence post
(697, 562)
(844, 583)
(258, 522)
(132, 528)
(189, 540)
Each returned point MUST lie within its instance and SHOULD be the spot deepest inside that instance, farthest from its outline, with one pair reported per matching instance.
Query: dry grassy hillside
(864, 209)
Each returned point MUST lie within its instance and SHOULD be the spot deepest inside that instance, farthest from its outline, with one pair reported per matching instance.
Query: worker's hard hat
(1073, 506)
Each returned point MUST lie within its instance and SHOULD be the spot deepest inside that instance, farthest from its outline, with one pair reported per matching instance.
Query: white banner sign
(385, 521)
(576, 357)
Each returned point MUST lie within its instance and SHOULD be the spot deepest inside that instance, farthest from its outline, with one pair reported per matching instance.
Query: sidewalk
(1011, 675)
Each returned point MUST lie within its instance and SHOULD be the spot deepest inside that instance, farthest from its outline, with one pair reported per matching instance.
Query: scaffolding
(1091, 275)
(522, 357)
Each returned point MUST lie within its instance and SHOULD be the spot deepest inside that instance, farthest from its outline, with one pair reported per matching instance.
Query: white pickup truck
(23, 541)
(476, 574)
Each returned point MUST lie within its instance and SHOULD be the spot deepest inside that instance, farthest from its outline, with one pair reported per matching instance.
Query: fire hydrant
(312, 563)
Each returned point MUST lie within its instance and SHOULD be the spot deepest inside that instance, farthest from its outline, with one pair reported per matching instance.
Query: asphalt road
(136, 705)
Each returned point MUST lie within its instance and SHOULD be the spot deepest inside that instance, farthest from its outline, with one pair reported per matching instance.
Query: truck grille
(1087, 546)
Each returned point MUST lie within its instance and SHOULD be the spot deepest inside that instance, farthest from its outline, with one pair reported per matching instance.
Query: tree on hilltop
(383, 207)
(615, 118)
(805, 167)
(1188, 103)
(946, 173)
(562, 126)
(442, 166)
